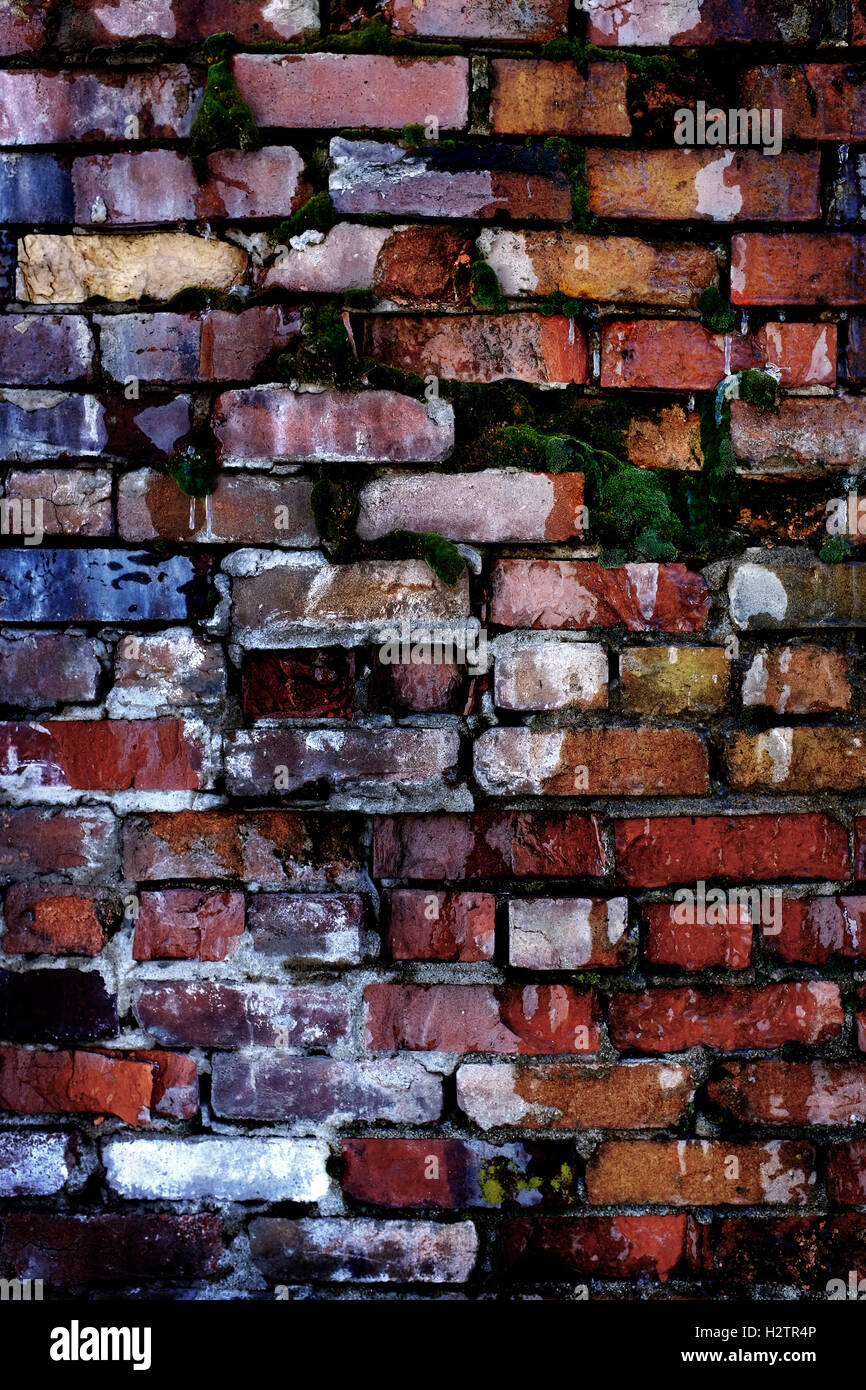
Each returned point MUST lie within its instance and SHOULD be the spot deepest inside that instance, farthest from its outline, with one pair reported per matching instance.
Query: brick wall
(532, 971)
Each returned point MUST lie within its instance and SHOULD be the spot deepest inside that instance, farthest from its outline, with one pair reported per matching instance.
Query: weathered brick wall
(339, 974)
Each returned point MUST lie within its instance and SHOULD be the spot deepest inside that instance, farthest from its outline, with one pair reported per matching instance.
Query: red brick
(814, 930)
(771, 1092)
(798, 268)
(111, 755)
(213, 346)
(698, 945)
(46, 108)
(152, 186)
(314, 683)
(490, 21)
(22, 27)
(802, 1250)
(580, 594)
(108, 1248)
(818, 101)
(750, 848)
(447, 1174)
(91, 1083)
(802, 437)
(407, 265)
(798, 680)
(487, 844)
(671, 1020)
(46, 668)
(481, 347)
(265, 424)
(704, 185)
(799, 759)
(333, 90)
(250, 21)
(846, 1173)
(594, 1247)
(675, 355)
(560, 1095)
(47, 349)
(428, 689)
(56, 920)
(186, 924)
(262, 761)
(270, 847)
(175, 1083)
(82, 844)
(568, 933)
(534, 1019)
(700, 1172)
(611, 762)
(242, 509)
(165, 671)
(215, 1014)
(440, 926)
(858, 22)
(544, 98)
(488, 506)
(613, 269)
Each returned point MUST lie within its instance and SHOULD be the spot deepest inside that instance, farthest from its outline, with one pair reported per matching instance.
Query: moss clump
(760, 389)
(318, 214)
(834, 551)
(223, 121)
(564, 1184)
(444, 559)
(325, 354)
(716, 314)
(500, 1180)
(524, 446)
(195, 472)
(413, 134)
(631, 509)
(559, 303)
(485, 289)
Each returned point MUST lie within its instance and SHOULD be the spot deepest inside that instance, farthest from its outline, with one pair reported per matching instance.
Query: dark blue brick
(34, 189)
(59, 586)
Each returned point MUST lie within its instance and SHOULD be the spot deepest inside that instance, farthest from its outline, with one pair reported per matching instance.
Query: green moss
(413, 134)
(760, 389)
(224, 120)
(444, 559)
(834, 551)
(372, 35)
(325, 354)
(716, 314)
(486, 291)
(335, 506)
(564, 1184)
(318, 214)
(559, 303)
(572, 157)
(195, 472)
(359, 300)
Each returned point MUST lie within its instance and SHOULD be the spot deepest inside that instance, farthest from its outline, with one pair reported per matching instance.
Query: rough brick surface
(432, 724)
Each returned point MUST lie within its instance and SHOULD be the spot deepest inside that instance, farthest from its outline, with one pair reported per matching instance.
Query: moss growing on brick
(373, 35)
(195, 472)
(325, 354)
(413, 134)
(572, 158)
(486, 291)
(318, 214)
(335, 506)
(224, 120)
(834, 551)
(717, 316)
(442, 556)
